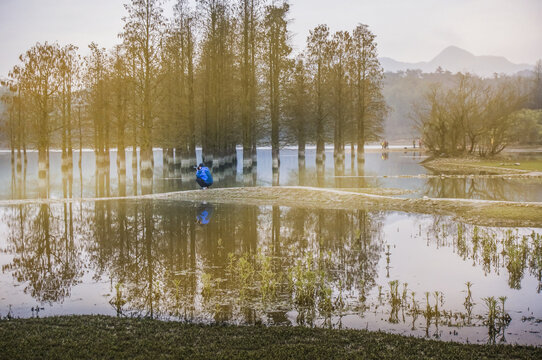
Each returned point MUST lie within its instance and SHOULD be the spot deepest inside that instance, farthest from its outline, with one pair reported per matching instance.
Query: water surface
(274, 265)
(397, 169)
(422, 275)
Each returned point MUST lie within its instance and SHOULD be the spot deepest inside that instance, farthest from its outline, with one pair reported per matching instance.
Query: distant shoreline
(369, 148)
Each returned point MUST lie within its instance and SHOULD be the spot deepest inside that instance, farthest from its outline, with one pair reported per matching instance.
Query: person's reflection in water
(205, 211)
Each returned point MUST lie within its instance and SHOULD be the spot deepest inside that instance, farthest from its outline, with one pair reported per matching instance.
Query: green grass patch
(102, 337)
(476, 165)
(526, 214)
(530, 165)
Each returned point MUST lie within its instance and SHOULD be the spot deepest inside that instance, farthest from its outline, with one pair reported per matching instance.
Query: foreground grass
(92, 337)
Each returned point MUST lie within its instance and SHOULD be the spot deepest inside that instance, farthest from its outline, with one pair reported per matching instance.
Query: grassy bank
(528, 165)
(473, 165)
(96, 337)
(480, 212)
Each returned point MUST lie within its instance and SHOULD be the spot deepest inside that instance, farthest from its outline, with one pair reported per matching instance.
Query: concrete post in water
(165, 163)
(352, 156)
(254, 173)
(247, 159)
(320, 157)
(147, 165)
(187, 166)
(301, 169)
(121, 171)
(135, 171)
(42, 173)
(254, 155)
(170, 158)
(320, 173)
(178, 162)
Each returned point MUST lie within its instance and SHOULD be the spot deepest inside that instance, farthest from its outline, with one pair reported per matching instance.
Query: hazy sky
(407, 30)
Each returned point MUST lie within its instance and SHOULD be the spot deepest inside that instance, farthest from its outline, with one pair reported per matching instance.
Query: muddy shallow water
(417, 274)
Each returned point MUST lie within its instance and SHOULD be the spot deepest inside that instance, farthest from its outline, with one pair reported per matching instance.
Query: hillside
(455, 59)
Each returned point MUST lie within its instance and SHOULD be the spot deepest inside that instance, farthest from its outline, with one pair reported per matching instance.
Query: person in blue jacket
(203, 176)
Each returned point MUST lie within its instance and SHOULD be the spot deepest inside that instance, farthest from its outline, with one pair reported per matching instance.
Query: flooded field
(416, 274)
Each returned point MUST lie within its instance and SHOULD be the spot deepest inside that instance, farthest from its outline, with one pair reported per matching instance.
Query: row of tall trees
(218, 75)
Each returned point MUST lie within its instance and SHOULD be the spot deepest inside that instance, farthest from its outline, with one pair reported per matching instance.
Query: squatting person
(203, 176)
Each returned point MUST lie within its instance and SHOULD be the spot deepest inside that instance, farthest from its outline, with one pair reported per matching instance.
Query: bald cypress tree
(276, 57)
(40, 80)
(340, 49)
(367, 74)
(318, 59)
(97, 73)
(248, 12)
(69, 67)
(143, 31)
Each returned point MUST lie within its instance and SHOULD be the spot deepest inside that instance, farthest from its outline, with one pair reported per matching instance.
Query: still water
(405, 273)
(399, 169)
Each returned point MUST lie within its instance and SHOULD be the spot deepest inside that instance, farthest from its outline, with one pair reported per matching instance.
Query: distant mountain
(455, 60)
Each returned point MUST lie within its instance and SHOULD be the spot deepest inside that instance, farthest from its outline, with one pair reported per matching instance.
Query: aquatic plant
(305, 283)
(468, 302)
(177, 284)
(325, 305)
(268, 279)
(428, 313)
(414, 310)
(230, 268)
(362, 295)
(404, 297)
(339, 303)
(437, 295)
(395, 301)
(462, 247)
(497, 319)
(206, 285)
(118, 301)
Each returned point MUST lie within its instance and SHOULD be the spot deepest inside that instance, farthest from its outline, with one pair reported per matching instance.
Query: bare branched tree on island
(471, 116)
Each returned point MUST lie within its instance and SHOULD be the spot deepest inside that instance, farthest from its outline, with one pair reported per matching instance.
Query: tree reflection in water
(46, 259)
(249, 264)
(487, 188)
